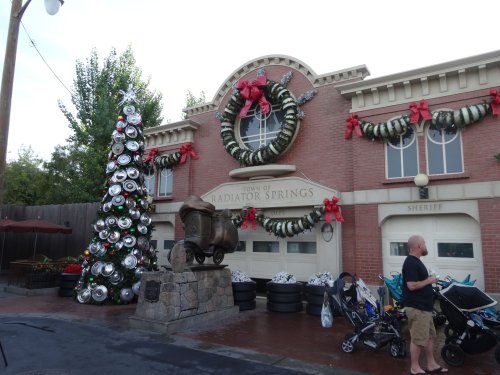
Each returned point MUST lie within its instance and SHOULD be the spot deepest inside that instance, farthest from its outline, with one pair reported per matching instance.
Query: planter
(314, 295)
(244, 294)
(67, 283)
(284, 297)
(39, 280)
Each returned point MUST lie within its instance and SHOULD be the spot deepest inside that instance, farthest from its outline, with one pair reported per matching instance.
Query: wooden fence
(79, 217)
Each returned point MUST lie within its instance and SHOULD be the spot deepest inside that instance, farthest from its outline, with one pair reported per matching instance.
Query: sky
(196, 45)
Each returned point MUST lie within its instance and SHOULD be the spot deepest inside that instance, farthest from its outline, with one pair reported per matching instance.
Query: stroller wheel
(347, 344)
(453, 354)
(397, 348)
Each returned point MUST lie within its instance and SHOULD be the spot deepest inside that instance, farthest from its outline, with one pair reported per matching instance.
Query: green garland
(285, 227)
(442, 119)
(276, 93)
(167, 161)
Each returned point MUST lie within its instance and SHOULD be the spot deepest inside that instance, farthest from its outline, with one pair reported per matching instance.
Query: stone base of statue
(174, 301)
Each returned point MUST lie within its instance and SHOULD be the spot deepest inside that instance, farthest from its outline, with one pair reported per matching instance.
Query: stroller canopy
(467, 297)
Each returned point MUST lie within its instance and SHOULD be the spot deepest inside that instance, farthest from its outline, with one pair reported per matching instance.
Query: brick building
(370, 168)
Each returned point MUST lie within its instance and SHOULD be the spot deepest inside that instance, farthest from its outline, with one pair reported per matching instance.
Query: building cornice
(455, 77)
(170, 134)
(356, 73)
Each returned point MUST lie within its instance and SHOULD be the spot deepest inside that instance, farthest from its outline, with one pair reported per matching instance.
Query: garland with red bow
(265, 92)
(170, 160)
(392, 129)
(289, 227)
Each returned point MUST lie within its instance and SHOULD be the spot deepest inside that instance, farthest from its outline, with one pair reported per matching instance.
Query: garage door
(262, 255)
(162, 240)
(453, 241)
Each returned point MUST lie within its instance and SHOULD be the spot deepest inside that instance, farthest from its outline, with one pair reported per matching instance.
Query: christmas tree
(120, 250)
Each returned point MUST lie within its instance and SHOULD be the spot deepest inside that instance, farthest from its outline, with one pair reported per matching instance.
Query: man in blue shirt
(418, 300)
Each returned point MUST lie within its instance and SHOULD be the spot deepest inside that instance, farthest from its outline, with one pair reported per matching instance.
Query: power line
(33, 44)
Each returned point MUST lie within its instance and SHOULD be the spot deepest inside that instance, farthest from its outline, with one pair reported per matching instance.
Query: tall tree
(192, 101)
(74, 168)
(25, 180)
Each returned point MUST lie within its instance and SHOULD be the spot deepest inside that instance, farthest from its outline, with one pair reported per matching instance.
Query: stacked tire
(314, 297)
(285, 298)
(67, 283)
(244, 294)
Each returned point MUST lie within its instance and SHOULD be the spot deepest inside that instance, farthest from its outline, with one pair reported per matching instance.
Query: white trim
(464, 191)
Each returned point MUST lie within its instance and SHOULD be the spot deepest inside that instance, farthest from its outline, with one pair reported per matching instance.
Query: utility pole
(9, 67)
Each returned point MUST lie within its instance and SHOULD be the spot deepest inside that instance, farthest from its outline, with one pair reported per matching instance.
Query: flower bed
(44, 273)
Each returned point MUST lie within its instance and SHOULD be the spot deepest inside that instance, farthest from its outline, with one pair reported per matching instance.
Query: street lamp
(421, 180)
(16, 13)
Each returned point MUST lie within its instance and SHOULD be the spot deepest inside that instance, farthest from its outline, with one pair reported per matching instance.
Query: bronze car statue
(207, 233)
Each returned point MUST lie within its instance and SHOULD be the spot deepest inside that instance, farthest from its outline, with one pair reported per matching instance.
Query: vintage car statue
(207, 233)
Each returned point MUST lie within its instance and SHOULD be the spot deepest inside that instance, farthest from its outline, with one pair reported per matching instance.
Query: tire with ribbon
(284, 297)
(67, 283)
(244, 294)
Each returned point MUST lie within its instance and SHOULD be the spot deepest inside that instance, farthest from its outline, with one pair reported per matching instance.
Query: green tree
(192, 101)
(25, 180)
(76, 171)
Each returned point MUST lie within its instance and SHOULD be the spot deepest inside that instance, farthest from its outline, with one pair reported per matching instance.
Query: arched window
(444, 150)
(257, 129)
(149, 181)
(402, 155)
(165, 183)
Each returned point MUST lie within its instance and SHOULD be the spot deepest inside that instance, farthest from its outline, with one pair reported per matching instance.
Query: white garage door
(453, 241)
(163, 240)
(262, 255)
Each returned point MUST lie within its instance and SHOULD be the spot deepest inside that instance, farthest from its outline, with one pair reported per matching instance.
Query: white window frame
(150, 182)
(401, 149)
(264, 137)
(443, 151)
(164, 176)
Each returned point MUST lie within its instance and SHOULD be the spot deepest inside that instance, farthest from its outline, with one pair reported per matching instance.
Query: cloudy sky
(195, 45)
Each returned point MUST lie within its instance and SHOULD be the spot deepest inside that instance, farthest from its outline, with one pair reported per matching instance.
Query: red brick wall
(490, 237)
(321, 154)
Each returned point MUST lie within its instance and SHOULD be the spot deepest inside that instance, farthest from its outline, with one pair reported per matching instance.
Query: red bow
(251, 91)
(185, 150)
(352, 123)
(419, 110)
(495, 102)
(331, 206)
(151, 155)
(250, 216)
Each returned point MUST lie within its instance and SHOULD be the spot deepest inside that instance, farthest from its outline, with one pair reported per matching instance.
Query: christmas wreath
(442, 119)
(288, 227)
(263, 91)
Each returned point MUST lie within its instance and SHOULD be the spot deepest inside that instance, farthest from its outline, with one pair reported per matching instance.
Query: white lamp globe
(52, 6)
(421, 180)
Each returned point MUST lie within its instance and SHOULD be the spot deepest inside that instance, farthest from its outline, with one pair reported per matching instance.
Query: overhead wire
(33, 44)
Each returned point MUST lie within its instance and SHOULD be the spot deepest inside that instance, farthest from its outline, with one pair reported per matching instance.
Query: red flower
(73, 268)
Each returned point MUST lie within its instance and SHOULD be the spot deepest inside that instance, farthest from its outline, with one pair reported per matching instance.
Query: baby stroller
(395, 287)
(373, 326)
(489, 315)
(469, 334)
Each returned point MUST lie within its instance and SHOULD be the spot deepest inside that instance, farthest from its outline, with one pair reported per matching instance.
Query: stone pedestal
(170, 302)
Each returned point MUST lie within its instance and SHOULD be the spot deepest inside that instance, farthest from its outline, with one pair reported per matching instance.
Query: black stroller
(374, 326)
(467, 331)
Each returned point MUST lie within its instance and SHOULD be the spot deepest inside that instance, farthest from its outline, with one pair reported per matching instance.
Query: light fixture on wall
(327, 232)
(421, 180)
(151, 206)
